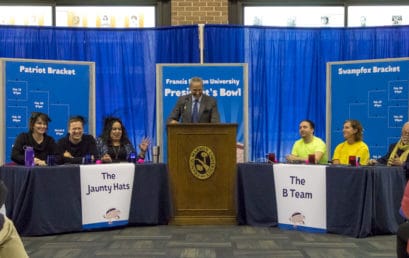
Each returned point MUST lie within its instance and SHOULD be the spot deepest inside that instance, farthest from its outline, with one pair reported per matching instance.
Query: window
(360, 16)
(106, 16)
(26, 15)
(299, 16)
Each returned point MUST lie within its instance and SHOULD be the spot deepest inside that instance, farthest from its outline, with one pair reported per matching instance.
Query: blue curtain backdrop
(287, 72)
(287, 68)
(125, 61)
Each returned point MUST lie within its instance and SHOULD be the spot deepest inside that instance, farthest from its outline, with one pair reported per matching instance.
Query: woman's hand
(106, 158)
(143, 146)
(372, 162)
(39, 162)
(67, 154)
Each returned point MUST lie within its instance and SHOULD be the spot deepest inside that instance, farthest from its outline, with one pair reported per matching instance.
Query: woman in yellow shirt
(352, 146)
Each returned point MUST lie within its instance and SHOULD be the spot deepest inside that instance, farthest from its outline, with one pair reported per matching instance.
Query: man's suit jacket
(208, 112)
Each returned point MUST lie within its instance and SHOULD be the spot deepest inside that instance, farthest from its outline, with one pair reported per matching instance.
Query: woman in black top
(37, 138)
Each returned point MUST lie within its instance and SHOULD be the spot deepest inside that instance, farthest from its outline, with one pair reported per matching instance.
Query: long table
(361, 201)
(47, 200)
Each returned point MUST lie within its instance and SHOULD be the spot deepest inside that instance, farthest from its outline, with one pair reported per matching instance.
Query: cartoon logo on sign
(112, 214)
(297, 219)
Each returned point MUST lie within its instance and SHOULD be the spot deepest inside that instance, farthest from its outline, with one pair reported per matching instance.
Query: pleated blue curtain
(287, 68)
(287, 72)
(125, 61)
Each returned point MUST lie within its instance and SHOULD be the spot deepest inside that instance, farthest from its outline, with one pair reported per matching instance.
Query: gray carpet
(206, 241)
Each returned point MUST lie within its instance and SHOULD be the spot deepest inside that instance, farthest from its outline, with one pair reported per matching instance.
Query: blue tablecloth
(256, 197)
(47, 200)
(361, 201)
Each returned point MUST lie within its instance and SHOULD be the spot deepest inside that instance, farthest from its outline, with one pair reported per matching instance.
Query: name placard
(106, 192)
(301, 197)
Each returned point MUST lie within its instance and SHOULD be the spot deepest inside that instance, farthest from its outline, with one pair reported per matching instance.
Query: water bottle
(87, 159)
(155, 154)
(28, 156)
(132, 157)
(51, 160)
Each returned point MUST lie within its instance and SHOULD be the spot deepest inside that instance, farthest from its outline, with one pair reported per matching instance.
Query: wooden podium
(202, 167)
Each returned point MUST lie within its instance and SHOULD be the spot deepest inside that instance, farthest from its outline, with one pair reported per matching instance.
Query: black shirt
(86, 146)
(41, 150)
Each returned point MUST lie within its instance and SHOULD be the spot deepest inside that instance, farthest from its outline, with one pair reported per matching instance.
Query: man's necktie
(195, 112)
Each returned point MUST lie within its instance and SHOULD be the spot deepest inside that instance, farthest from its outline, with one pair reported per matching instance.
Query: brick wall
(199, 11)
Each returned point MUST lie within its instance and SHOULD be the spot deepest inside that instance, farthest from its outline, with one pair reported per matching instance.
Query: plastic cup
(51, 160)
(271, 157)
(311, 159)
(155, 154)
(352, 160)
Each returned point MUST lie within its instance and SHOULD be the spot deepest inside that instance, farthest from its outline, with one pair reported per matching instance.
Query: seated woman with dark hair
(114, 145)
(37, 138)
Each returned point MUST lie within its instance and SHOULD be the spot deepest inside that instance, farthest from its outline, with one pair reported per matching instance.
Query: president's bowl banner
(225, 82)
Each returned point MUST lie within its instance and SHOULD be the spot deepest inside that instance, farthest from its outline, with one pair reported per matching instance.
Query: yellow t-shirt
(358, 149)
(302, 149)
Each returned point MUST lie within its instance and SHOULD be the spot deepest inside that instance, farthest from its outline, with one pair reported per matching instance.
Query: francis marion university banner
(301, 197)
(225, 82)
(106, 192)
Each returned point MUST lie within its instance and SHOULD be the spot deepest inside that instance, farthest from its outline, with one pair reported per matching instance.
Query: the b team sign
(301, 197)
(106, 192)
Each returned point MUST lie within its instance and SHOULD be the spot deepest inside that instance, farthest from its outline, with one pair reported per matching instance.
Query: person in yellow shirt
(352, 146)
(308, 144)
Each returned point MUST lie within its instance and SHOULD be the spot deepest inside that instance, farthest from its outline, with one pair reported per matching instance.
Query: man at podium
(195, 107)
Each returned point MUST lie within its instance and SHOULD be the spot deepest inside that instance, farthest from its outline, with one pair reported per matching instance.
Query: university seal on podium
(202, 162)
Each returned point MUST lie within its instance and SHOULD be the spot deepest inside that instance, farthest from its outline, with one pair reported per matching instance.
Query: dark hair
(355, 124)
(77, 119)
(312, 125)
(106, 131)
(38, 115)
